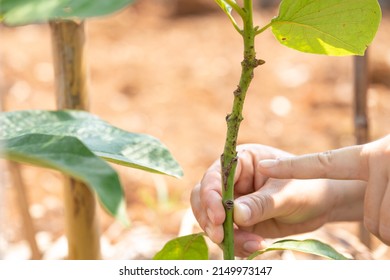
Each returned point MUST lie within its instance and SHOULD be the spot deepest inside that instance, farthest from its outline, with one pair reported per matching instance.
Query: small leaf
(331, 27)
(70, 156)
(310, 246)
(228, 11)
(225, 6)
(113, 144)
(189, 247)
(19, 12)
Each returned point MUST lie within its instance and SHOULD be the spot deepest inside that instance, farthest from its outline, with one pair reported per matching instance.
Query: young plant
(328, 27)
(75, 142)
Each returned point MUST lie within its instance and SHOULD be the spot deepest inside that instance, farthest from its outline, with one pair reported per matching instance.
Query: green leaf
(310, 246)
(331, 27)
(70, 156)
(19, 12)
(113, 144)
(225, 6)
(189, 247)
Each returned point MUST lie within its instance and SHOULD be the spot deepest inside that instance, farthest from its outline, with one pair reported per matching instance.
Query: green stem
(229, 156)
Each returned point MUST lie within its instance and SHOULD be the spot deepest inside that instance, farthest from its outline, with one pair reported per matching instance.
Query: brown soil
(173, 77)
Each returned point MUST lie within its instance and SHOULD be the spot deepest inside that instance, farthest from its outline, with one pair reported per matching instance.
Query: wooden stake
(28, 225)
(22, 198)
(361, 82)
(82, 227)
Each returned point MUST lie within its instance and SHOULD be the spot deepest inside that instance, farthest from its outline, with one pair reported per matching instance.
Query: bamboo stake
(68, 39)
(361, 123)
(28, 225)
(82, 226)
(22, 200)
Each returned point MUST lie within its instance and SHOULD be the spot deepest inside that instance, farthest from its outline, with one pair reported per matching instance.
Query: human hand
(369, 162)
(269, 208)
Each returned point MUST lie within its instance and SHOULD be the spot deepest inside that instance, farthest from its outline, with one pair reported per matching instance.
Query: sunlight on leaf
(225, 6)
(310, 246)
(70, 156)
(113, 144)
(19, 12)
(189, 247)
(331, 27)
(228, 11)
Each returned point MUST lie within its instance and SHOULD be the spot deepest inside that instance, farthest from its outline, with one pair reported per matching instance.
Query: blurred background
(168, 68)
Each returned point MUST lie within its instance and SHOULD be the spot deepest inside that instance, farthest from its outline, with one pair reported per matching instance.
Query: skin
(272, 199)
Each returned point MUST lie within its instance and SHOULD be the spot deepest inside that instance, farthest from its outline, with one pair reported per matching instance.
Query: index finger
(350, 163)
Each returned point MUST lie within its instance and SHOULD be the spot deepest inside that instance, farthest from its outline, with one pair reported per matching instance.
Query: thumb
(348, 163)
(258, 206)
(247, 211)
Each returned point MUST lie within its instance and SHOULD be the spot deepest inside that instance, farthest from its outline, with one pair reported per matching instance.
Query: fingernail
(252, 246)
(211, 215)
(263, 244)
(268, 163)
(242, 212)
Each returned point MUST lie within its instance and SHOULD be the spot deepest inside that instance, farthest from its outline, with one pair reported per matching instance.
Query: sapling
(329, 27)
(305, 25)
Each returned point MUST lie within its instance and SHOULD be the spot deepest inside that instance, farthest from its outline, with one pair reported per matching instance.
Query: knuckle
(325, 160)
(211, 179)
(194, 193)
(372, 225)
(290, 165)
(258, 205)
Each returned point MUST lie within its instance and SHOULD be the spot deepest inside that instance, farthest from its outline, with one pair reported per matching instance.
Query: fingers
(384, 228)
(206, 203)
(369, 162)
(346, 163)
(377, 201)
(206, 198)
(246, 243)
(377, 217)
(288, 201)
(213, 230)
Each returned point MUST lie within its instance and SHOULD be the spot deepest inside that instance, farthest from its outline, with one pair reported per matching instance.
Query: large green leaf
(189, 247)
(19, 12)
(70, 156)
(111, 143)
(310, 246)
(331, 27)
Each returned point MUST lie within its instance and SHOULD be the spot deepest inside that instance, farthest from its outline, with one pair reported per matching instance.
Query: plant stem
(229, 156)
(82, 227)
